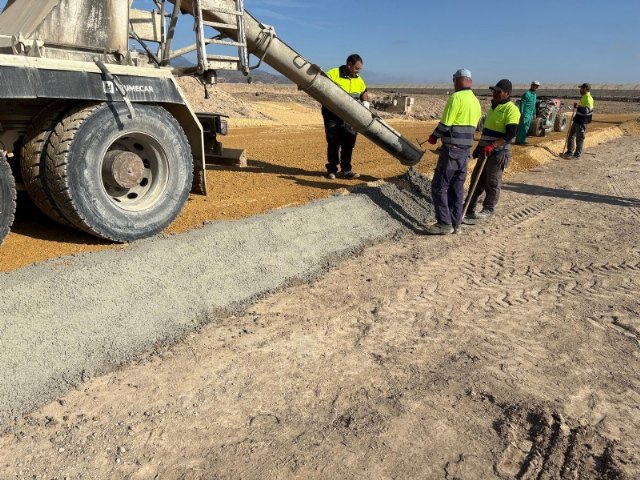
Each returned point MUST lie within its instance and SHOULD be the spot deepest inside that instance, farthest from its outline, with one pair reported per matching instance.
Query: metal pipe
(310, 78)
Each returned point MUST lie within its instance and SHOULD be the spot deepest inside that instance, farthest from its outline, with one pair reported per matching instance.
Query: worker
(341, 137)
(500, 128)
(457, 125)
(581, 118)
(527, 112)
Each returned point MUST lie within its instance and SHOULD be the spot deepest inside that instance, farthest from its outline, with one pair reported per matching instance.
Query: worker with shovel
(493, 152)
(583, 113)
(457, 125)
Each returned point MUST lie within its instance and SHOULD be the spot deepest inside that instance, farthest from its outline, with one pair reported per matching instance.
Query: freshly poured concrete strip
(66, 320)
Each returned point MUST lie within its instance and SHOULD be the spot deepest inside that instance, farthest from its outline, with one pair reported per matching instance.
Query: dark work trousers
(447, 186)
(576, 138)
(341, 138)
(490, 181)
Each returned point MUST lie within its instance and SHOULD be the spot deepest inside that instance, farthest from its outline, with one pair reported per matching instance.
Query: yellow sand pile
(539, 154)
(280, 113)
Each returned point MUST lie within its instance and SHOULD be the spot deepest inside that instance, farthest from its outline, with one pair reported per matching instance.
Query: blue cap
(463, 72)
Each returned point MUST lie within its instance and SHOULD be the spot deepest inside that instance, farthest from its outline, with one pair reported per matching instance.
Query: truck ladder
(207, 62)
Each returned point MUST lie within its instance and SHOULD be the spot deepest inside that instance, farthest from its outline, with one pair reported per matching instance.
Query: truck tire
(7, 198)
(561, 122)
(32, 161)
(537, 127)
(116, 177)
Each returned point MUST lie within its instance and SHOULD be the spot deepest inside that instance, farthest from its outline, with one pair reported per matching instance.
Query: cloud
(268, 13)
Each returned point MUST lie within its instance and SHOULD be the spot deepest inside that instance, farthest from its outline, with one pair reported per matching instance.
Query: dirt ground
(511, 351)
(281, 129)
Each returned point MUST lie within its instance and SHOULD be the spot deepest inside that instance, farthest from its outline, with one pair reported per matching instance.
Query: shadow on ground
(539, 190)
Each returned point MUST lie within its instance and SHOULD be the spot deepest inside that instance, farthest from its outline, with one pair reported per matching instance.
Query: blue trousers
(447, 186)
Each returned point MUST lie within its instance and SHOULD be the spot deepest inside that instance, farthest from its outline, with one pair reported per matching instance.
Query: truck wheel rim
(135, 171)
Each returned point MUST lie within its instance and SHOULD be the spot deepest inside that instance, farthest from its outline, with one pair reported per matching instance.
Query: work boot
(439, 229)
(349, 175)
(483, 215)
(576, 155)
(567, 154)
(457, 230)
(331, 176)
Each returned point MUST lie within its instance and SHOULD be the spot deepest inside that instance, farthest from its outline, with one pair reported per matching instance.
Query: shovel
(472, 188)
(566, 140)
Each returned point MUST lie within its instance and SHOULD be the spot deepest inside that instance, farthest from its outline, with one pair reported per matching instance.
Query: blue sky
(561, 41)
(423, 41)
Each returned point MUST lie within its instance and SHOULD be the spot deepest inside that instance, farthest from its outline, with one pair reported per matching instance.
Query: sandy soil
(280, 127)
(511, 351)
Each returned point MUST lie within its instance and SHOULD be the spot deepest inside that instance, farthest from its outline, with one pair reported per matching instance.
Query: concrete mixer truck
(94, 125)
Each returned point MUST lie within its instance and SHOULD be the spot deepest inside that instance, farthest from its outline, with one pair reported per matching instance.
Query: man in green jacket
(527, 112)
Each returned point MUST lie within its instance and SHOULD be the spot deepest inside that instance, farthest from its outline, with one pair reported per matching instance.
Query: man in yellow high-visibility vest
(500, 128)
(455, 130)
(341, 137)
(582, 118)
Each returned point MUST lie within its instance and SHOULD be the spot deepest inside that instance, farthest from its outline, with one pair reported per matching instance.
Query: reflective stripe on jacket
(459, 119)
(496, 121)
(584, 112)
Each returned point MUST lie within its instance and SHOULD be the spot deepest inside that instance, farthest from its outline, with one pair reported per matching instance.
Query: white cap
(535, 82)
(463, 72)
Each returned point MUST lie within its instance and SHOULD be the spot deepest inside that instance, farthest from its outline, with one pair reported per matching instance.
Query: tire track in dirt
(623, 182)
(465, 356)
(540, 444)
(501, 282)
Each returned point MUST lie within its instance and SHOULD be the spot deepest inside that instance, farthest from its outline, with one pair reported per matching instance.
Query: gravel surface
(69, 319)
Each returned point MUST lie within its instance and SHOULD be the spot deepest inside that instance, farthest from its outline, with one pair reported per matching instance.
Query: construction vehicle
(100, 134)
(394, 103)
(549, 117)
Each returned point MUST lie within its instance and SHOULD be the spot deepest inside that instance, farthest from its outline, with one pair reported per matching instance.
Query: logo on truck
(110, 88)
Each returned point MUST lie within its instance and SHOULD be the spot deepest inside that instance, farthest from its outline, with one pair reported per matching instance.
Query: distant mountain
(235, 76)
(182, 62)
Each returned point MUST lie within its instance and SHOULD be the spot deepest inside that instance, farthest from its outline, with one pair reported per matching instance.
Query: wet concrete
(71, 318)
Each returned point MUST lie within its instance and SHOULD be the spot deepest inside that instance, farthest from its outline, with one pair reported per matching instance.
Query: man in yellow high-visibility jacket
(457, 124)
(582, 118)
(500, 128)
(341, 137)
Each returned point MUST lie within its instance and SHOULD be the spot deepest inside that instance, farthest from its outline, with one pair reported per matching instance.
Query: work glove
(575, 105)
(432, 140)
(476, 152)
(488, 150)
(366, 104)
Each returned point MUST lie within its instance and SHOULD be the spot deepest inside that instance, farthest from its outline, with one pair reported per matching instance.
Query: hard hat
(535, 82)
(463, 72)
